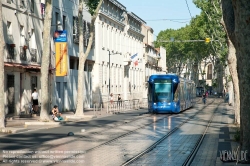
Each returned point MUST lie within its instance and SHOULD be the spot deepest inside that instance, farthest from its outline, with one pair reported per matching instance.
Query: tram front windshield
(163, 91)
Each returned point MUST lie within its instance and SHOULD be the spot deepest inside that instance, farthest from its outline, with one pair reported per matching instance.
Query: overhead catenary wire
(189, 10)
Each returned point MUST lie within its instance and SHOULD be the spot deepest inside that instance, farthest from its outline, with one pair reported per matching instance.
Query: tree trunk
(236, 15)
(242, 34)
(2, 44)
(45, 100)
(82, 59)
(232, 64)
(83, 56)
(196, 73)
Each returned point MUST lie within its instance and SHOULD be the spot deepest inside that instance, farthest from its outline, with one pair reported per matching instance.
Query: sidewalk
(220, 135)
(17, 124)
(219, 140)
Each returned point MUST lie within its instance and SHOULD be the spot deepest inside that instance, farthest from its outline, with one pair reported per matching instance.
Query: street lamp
(111, 53)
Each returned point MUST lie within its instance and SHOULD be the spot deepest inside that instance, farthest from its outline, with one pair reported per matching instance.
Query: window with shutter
(23, 55)
(22, 4)
(75, 30)
(33, 54)
(209, 72)
(84, 33)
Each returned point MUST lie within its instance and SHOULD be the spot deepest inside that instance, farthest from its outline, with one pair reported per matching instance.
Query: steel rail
(192, 155)
(131, 160)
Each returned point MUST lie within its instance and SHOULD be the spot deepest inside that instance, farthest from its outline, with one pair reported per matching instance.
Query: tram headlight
(154, 103)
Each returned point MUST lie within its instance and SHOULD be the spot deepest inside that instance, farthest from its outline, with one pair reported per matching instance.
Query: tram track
(108, 128)
(133, 131)
(121, 136)
(190, 157)
(125, 134)
(105, 129)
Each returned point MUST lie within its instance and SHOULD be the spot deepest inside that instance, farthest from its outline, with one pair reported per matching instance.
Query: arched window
(209, 72)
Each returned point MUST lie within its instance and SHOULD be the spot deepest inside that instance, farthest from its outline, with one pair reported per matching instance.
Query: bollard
(101, 110)
(107, 108)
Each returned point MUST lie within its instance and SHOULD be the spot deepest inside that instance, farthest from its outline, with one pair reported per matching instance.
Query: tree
(213, 12)
(191, 54)
(2, 44)
(232, 63)
(236, 15)
(94, 7)
(44, 115)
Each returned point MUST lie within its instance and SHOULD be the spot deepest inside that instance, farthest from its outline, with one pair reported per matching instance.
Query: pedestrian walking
(206, 93)
(111, 98)
(226, 97)
(119, 100)
(34, 98)
(204, 98)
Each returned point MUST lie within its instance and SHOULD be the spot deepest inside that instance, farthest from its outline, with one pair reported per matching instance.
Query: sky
(163, 14)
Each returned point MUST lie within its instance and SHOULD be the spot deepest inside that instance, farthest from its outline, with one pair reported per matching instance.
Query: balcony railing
(23, 54)
(10, 51)
(33, 54)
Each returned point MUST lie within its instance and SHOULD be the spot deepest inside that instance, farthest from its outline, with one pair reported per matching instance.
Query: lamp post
(109, 65)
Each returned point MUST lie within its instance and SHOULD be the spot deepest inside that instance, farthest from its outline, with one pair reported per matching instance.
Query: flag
(134, 59)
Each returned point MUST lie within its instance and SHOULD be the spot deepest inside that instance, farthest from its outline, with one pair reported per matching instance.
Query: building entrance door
(11, 94)
(88, 85)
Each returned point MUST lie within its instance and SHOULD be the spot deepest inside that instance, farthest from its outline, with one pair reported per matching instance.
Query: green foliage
(92, 5)
(214, 83)
(181, 52)
(213, 13)
(203, 72)
(229, 78)
(206, 86)
(205, 25)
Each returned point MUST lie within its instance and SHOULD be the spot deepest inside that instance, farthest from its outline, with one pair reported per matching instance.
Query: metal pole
(109, 72)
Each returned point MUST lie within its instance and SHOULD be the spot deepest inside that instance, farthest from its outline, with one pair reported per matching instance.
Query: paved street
(116, 139)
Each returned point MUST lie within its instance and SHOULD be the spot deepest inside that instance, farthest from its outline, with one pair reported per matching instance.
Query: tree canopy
(188, 44)
(91, 5)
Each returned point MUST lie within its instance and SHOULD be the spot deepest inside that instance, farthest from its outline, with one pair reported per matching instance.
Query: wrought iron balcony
(33, 54)
(11, 51)
(23, 53)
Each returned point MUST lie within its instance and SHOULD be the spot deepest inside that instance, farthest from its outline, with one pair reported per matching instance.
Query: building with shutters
(120, 61)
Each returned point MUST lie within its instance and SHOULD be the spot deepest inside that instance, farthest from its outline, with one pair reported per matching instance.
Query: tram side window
(188, 91)
(176, 94)
(181, 91)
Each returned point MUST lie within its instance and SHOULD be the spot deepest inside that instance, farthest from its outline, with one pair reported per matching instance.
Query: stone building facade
(121, 59)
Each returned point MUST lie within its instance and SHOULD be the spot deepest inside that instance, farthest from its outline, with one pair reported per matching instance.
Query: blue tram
(168, 93)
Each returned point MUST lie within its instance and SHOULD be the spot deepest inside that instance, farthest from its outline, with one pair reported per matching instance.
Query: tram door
(150, 96)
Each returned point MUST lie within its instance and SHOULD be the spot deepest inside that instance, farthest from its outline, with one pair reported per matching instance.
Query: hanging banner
(61, 58)
(61, 47)
(60, 36)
